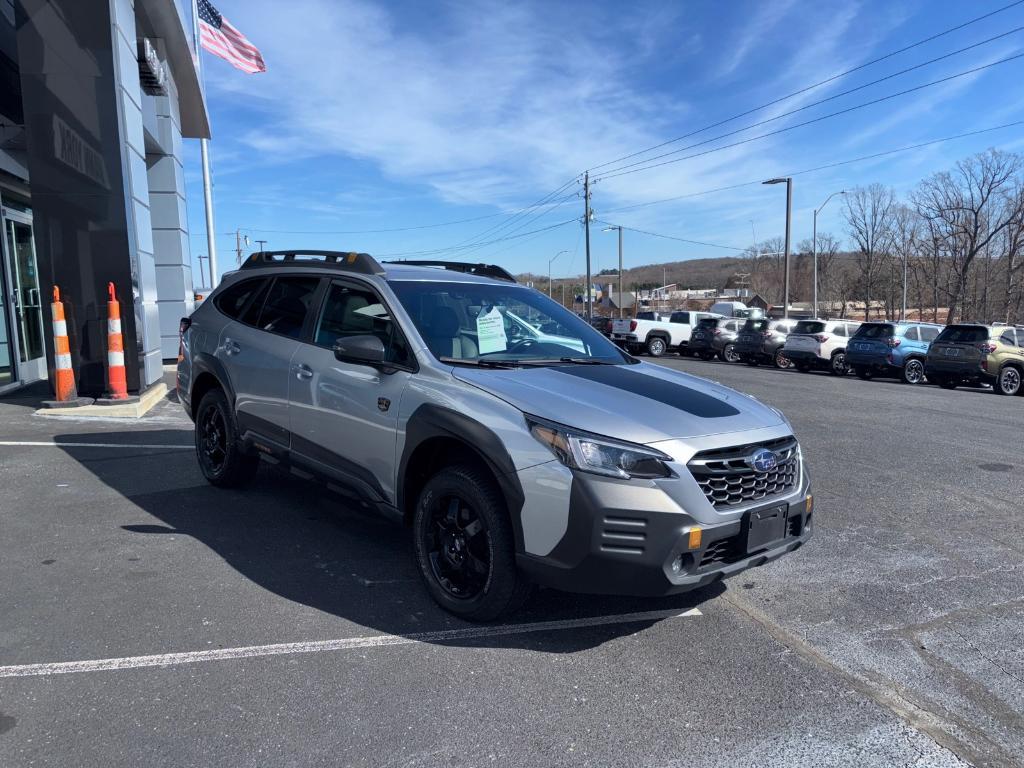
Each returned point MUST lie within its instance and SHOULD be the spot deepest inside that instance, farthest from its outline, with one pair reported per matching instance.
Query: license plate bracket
(766, 526)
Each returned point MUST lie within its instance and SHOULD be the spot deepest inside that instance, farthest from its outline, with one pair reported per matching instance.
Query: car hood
(642, 403)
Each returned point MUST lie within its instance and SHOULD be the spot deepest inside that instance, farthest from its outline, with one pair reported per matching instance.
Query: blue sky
(377, 116)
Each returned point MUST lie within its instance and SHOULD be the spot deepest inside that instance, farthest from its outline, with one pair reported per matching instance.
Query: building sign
(71, 149)
(152, 72)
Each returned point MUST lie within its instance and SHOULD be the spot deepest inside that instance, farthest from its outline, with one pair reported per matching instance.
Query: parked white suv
(820, 344)
(657, 336)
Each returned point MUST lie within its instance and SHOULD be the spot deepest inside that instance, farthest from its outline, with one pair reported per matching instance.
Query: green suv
(972, 353)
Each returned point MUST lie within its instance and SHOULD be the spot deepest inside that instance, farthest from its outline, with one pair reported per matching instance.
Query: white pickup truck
(657, 336)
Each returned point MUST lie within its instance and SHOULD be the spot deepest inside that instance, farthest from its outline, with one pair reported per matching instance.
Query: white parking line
(53, 444)
(345, 644)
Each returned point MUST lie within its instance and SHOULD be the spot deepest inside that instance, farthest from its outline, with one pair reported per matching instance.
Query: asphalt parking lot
(149, 619)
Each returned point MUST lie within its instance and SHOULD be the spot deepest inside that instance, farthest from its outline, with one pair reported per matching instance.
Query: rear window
(680, 317)
(231, 301)
(876, 331)
(646, 316)
(708, 322)
(809, 327)
(782, 327)
(964, 334)
(760, 325)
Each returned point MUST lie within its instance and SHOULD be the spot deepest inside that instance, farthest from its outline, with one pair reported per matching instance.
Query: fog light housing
(677, 565)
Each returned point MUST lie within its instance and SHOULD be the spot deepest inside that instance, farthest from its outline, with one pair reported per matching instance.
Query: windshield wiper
(566, 361)
(480, 362)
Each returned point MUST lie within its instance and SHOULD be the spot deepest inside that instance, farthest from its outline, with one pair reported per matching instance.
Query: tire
(705, 355)
(1009, 381)
(862, 372)
(656, 346)
(728, 354)
(218, 444)
(781, 361)
(913, 371)
(837, 364)
(464, 545)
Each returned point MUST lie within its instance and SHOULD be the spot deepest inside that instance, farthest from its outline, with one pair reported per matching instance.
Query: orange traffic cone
(117, 382)
(63, 373)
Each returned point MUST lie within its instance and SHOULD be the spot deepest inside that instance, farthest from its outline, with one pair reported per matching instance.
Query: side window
(912, 334)
(352, 311)
(232, 300)
(1007, 338)
(287, 304)
(929, 334)
(840, 330)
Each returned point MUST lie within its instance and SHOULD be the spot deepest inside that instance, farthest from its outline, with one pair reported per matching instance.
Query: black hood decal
(669, 393)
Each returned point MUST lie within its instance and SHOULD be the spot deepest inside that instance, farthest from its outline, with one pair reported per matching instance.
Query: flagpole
(211, 245)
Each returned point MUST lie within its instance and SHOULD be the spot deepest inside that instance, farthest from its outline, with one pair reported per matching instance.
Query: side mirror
(362, 350)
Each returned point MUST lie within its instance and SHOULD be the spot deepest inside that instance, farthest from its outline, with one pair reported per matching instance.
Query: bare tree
(966, 208)
(906, 232)
(829, 267)
(869, 217)
(1011, 245)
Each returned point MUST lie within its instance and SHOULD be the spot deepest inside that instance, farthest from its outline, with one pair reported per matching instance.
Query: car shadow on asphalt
(312, 545)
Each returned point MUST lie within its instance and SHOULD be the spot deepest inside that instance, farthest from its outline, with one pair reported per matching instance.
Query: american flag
(221, 39)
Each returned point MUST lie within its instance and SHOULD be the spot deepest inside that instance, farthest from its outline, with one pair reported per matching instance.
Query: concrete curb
(124, 410)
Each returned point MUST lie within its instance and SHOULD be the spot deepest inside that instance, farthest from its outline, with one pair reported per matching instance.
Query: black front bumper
(629, 552)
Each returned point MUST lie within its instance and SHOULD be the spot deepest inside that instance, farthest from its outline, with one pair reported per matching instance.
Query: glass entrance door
(7, 352)
(26, 297)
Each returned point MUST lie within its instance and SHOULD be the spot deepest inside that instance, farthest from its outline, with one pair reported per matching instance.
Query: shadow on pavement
(310, 545)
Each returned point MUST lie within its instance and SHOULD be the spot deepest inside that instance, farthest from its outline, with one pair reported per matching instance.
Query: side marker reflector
(694, 542)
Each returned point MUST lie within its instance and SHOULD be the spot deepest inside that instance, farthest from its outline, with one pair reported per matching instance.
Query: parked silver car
(515, 456)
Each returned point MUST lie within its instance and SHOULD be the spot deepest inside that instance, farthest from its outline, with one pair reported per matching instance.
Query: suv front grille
(728, 479)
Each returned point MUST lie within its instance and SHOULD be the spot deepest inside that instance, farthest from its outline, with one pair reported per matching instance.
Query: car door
(344, 416)
(258, 348)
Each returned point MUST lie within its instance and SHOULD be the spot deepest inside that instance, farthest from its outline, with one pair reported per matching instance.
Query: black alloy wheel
(459, 547)
(221, 457)
(913, 371)
(465, 547)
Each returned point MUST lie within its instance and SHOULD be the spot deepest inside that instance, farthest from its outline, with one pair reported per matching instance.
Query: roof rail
(483, 270)
(347, 261)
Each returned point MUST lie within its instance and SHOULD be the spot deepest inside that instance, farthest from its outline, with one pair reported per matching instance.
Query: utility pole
(262, 243)
(788, 181)
(618, 299)
(586, 227)
(202, 275)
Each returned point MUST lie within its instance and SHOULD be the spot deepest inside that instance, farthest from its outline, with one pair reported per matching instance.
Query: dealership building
(95, 97)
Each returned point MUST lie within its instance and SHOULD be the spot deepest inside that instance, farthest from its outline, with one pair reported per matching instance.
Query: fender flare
(207, 363)
(430, 421)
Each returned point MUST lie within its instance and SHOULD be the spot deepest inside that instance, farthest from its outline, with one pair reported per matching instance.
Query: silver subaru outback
(519, 445)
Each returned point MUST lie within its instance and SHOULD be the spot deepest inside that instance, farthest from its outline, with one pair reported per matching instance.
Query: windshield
(876, 331)
(708, 322)
(760, 325)
(483, 323)
(964, 334)
(809, 327)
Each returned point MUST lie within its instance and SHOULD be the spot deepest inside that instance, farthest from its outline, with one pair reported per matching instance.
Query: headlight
(599, 455)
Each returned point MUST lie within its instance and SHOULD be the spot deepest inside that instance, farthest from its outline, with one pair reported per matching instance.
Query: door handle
(231, 347)
(302, 371)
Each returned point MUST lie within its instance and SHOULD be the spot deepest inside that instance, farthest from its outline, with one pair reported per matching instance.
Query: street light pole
(788, 180)
(618, 299)
(586, 226)
(549, 270)
(814, 245)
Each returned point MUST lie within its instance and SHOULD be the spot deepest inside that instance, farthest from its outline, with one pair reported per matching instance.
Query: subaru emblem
(764, 460)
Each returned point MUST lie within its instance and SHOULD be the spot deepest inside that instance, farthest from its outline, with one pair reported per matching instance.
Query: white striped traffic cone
(63, 374)
(116, 377)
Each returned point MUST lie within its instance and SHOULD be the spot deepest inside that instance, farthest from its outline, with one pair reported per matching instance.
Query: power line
(452, 249)
(818, 84)
(820, 101)
(672, 237)
(554, 203)
(836, 164)
(817, 119)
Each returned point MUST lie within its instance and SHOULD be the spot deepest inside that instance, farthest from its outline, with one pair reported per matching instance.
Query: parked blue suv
(896, 350)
